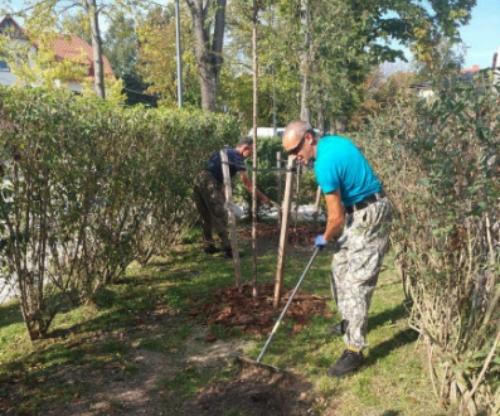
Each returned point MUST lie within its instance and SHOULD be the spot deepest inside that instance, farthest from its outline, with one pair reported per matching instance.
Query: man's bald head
(294, 133)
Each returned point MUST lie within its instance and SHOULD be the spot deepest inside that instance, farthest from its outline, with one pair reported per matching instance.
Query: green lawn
(138, 342)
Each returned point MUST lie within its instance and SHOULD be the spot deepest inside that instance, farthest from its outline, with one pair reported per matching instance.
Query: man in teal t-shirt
(341, 166)
(358, 221)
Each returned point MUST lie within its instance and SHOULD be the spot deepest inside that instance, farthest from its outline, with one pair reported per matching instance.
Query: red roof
(73, 47)
(65, 47)
(471, 70)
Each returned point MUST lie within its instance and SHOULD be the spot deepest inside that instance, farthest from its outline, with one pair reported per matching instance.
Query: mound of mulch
(234, 308)
(256, 392)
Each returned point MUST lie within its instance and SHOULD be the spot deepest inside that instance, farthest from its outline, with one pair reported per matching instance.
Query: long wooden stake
(316, 204)
(285, 215)
(279, 182)
(230, 215)
(297, 192)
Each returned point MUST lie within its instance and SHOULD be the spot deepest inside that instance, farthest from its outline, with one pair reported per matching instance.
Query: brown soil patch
(239, 309)
(256, 392)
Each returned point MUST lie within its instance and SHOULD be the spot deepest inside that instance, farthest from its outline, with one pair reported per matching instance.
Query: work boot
(211, 249)
(348, 362)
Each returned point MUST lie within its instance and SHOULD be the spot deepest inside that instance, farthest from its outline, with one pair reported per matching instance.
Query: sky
(481, 36)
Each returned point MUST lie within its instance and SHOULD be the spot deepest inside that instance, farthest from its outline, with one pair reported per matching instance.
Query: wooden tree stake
(230, 215)
(316, 204)
(297, 192)
(279, 182)
(285, 215)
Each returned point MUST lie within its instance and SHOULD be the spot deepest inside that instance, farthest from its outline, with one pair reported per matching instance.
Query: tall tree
(95, 32)
(208, 46)
(121, 46)
(156, 56)
(305, 64)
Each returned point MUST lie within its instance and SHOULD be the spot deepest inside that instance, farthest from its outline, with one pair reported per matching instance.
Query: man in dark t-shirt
(209, 194)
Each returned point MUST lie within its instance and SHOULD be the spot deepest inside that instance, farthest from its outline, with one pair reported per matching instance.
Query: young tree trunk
(305, 64)
(208, 54)
(254, 158)
(93, 15)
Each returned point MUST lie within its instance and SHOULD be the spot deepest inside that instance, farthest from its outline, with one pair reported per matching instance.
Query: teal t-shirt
(340, 165)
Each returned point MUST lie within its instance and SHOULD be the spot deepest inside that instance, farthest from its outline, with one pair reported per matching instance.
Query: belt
(370, 199)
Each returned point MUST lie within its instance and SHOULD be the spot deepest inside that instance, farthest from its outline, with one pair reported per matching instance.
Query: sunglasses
(298, 148)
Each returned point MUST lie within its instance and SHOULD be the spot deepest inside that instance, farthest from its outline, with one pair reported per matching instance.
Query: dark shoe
(339, 328)
(211, 249)
(347, 363)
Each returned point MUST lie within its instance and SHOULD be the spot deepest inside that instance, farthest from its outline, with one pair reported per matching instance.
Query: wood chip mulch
(234, 308)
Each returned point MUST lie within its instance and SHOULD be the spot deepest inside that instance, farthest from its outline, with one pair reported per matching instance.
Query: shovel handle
(283, 312)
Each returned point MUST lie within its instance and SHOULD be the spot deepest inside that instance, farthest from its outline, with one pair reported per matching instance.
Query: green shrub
(439, 163)
(88, 186)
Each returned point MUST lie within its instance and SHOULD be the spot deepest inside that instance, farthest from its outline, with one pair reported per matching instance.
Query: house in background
(65, 47)
(9, 27)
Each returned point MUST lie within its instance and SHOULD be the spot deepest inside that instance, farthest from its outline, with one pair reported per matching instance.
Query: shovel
(258, 362)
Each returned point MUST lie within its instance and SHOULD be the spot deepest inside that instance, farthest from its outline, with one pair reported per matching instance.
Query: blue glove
(320, 241)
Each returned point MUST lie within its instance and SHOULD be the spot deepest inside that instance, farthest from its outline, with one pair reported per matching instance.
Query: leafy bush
(88, 186)
(439, 163)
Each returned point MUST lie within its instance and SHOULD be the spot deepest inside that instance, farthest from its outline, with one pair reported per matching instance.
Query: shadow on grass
(383, 349)
(387, 315)
(62, 302)
(10, 314)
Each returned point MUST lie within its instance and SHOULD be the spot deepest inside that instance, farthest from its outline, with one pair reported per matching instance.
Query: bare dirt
(255, 392)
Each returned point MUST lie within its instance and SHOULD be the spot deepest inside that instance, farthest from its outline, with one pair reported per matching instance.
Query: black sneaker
(211, 249)
(348, 362)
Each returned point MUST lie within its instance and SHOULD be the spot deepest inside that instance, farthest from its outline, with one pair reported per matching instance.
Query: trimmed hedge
(89, 186)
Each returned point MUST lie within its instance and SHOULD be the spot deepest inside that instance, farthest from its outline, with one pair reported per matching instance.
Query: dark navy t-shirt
(236, 164)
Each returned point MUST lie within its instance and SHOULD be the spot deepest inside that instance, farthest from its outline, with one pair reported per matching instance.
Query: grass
(148, 310)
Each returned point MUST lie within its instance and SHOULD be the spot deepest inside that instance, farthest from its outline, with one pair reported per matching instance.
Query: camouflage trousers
(356, 264)
(210, 201)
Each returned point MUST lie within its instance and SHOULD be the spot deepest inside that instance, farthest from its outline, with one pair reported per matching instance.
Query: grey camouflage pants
(356, 264)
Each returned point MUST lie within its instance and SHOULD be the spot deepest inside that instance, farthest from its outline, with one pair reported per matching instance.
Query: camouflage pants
(356, 264)
(210, 200)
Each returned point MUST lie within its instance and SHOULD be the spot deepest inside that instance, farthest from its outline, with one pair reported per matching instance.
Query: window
(4, 67)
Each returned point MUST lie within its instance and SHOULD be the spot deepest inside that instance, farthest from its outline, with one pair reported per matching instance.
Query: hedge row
(88, 187)
(439, 162)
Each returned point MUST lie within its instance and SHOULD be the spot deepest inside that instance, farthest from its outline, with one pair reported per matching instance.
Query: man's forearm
(333, 229)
